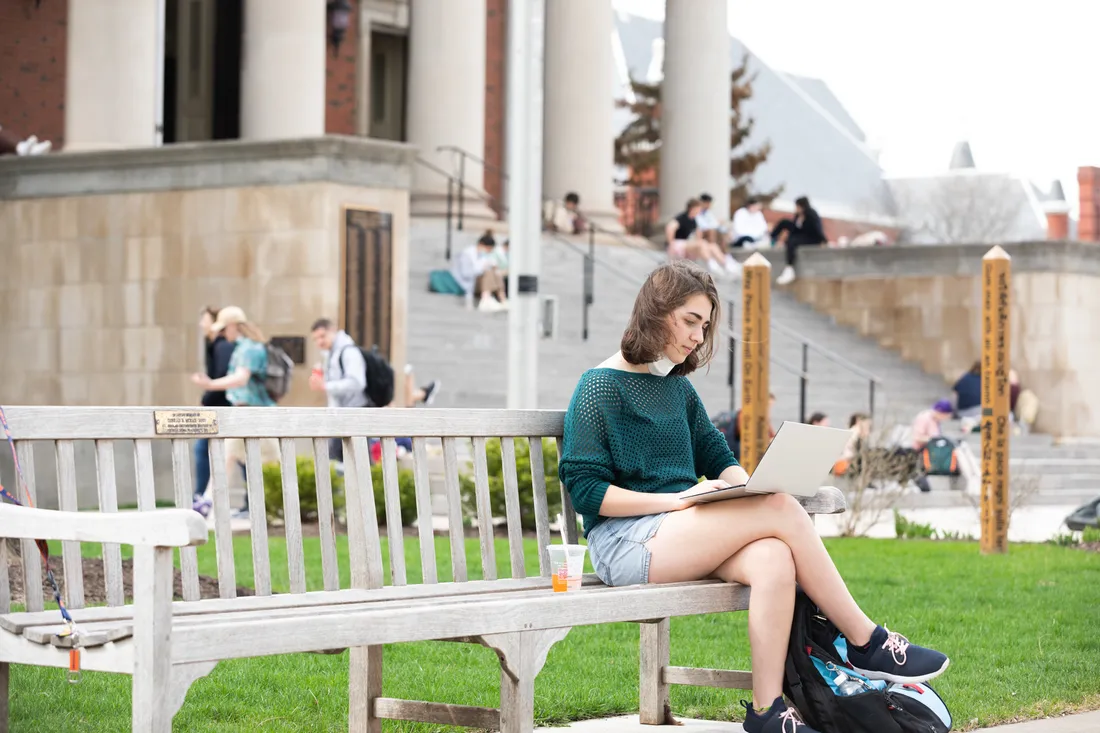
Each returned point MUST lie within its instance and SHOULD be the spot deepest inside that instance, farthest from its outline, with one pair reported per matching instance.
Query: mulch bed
(94, 588)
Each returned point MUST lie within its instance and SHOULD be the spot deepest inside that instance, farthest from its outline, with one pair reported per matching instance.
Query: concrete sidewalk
(1083, 723)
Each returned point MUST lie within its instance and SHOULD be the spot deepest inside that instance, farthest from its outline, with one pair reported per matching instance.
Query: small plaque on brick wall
(186, 422)
(294, 346)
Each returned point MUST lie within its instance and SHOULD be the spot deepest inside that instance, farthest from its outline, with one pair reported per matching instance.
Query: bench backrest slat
(363, 538)
(32, 561)
(454, 510)
(512, 507)
(257, 509)
(330, 567)
(183, 489)
(292, 516)
(143, 471)
(106, 486)
(257, 518)
(484, 511)
(223, 536)
(542, 511)
(66, 501)
(394, 531)
(424, 510)
(569, 515)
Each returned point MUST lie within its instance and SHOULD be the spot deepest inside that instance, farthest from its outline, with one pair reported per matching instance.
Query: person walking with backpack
(352, 377)
(636, 440)
(343, 376)
(245, 385)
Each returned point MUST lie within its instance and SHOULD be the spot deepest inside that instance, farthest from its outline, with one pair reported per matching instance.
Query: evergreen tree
(638, 146)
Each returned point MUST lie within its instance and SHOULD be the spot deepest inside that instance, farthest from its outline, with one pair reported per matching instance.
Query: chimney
(1057, 211)
(1088, 227)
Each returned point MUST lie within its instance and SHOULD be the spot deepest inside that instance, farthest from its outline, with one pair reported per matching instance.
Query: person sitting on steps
(683, 242)
(805, 230)
(474, 271)
(636, 439)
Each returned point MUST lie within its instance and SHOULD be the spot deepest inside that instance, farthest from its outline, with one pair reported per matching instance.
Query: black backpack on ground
(818, 649)
(379, 376)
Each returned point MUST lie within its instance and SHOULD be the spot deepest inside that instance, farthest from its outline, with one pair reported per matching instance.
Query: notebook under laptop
(797, 461)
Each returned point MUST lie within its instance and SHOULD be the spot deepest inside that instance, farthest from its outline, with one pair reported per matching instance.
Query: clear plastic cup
(566, 566)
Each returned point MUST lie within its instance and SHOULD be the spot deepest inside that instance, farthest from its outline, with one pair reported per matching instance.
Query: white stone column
(446, 88)
(695, 109)
(578, 107)
(111, 74)
(283, 69)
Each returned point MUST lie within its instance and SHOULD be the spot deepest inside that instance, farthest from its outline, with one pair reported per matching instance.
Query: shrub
(910, 530)
(307, 492)
(523, 476)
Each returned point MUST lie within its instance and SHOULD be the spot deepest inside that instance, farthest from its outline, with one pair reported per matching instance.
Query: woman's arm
(619, 502)
(735, 476)
(238, 378)
(670, 231)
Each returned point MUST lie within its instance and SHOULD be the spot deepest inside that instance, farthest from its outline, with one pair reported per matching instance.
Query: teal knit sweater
(639, 432)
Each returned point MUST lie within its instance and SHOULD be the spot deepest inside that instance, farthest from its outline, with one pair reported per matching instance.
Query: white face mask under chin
(662, 366)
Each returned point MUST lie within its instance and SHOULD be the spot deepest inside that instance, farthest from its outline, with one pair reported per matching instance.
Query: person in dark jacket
(218, 353)
(805, 230)
(968, 393)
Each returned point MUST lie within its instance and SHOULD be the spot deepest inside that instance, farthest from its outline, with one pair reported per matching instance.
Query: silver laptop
(797, 461)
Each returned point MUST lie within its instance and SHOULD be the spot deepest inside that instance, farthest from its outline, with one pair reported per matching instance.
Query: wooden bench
(167, 645)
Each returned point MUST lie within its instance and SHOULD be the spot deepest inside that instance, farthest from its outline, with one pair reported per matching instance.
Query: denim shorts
(618, 551)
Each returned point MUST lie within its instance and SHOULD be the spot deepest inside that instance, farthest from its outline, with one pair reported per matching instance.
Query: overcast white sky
(1019, 80)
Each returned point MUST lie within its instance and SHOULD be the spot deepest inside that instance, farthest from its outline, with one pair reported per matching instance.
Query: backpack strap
(794, 685)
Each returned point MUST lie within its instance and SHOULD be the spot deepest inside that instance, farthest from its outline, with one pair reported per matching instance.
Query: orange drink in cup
(566, 566)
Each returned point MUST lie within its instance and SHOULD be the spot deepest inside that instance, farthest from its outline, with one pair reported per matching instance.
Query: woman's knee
(770, 563)
(784, 504)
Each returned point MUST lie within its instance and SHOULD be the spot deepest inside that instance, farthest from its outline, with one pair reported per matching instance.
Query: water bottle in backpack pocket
(833, 698)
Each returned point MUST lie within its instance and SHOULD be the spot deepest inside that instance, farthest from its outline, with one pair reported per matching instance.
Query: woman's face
(205, 322)
(231, 332)
(686, 326)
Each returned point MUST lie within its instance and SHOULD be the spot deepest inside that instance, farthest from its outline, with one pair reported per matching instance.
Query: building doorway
(202, 70)
(388, 55)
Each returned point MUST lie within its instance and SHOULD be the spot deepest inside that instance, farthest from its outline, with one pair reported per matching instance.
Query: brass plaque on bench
(186, 422)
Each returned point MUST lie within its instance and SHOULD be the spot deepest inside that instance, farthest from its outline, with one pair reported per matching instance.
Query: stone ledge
(218, 164)
(961, 260)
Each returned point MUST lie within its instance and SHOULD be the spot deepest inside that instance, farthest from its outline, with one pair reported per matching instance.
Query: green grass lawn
(1022, 631)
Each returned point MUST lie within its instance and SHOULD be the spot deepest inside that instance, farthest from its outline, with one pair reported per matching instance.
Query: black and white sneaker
(889, 656)
(431, 389)
(777, 719)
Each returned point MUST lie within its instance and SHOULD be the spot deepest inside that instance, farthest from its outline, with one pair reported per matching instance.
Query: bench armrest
(156, 528)
(827, 500)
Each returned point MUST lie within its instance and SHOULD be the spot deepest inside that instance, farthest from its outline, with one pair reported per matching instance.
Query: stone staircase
(468, 351)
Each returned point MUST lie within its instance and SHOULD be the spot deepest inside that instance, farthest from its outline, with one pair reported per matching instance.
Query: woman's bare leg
(693, 543)
(768, 568)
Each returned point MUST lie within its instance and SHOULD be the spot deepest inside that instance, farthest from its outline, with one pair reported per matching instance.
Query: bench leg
(5, 679)
(522, 655)
(364, 685)
(654, 707)
(152, 676)
(183, 676)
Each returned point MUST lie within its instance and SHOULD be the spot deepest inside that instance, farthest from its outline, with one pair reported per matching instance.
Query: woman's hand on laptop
(700, 488)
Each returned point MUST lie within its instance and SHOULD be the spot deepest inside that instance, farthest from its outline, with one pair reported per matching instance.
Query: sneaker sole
(885, 677)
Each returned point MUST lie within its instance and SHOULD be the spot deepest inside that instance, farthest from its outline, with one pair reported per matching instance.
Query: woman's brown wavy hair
(666, 289)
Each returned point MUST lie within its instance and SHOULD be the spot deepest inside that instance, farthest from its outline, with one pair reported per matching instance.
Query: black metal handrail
(808, 345)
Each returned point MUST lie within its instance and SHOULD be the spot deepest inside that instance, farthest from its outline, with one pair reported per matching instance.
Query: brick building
(84, 74)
